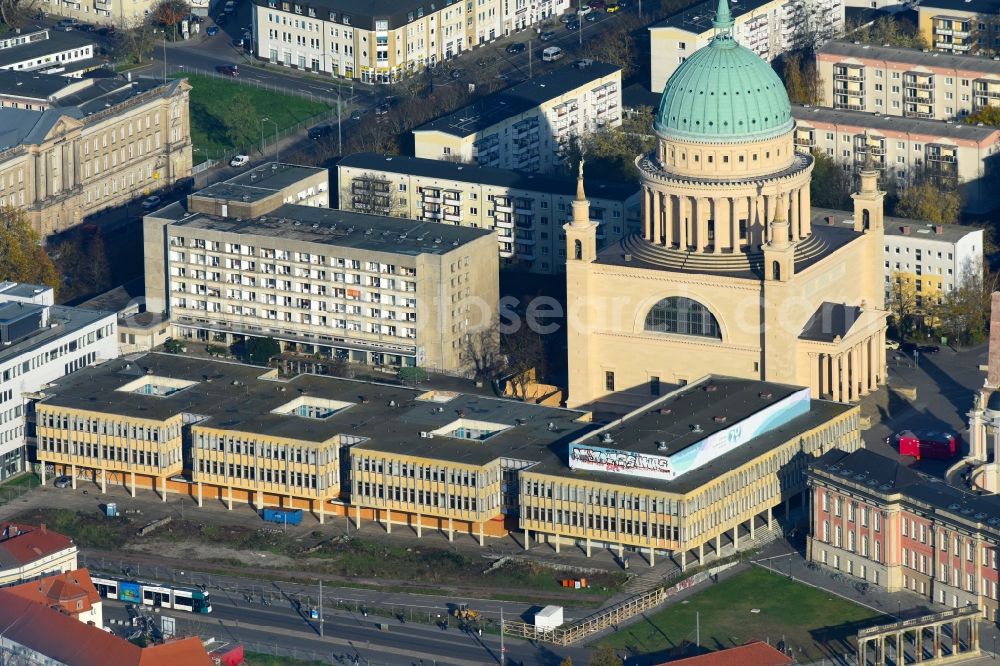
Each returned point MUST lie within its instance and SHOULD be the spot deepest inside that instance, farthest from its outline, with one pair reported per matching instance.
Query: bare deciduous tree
(17, 13)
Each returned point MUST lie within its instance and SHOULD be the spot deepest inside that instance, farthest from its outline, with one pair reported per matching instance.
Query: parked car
(86, 27)
(66, 24)
(596, 5)
(457, 73)
(382, 109)
(356, 115)
(228, 70)
(515, 48)
(583, 11)
(591, 17)
(149, 203)
(212, 31)
(319, 131)
(573, 25)
(63, 481)
(926, 444)
(891, 344)
(222, 19)
(546, 36)
(566, 18)
(928, 349)
(239, 161)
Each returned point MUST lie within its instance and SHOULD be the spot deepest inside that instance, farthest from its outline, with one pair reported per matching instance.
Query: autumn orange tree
(22, 254)
(168, 15)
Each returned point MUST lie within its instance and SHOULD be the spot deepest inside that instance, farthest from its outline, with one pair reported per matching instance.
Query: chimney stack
(829, 220)
(906, 230)
(939, 229)
(42, 527)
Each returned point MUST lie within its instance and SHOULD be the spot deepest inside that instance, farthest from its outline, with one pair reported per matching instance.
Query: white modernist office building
(39, 343)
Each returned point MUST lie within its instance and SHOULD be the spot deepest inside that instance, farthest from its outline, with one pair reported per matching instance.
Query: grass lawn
(816, 624)
(210, 96)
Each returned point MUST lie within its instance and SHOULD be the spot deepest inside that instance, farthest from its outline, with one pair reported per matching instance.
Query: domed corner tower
(725, 151)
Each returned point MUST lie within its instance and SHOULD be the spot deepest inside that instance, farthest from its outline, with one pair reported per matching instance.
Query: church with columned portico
(729, 276)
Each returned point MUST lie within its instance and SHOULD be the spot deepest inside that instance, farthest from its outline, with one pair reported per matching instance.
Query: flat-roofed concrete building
(694, 471)
(40, 342)
(251, 258)
(445, 459)
(931, 259)
(913, 83)
(47, 50)
(959, 26)
(902, 147)
(95, 147)
(384, 41)
(428, 458)
(766, 27)
(526, 211)
(528, 126)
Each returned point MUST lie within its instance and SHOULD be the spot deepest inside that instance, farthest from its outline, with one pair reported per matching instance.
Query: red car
(926, 444)
(228, 70)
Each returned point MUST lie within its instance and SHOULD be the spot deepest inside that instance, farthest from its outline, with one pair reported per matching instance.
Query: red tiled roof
(72, 591)
(26, 543)
(59, 636)
(757, 653)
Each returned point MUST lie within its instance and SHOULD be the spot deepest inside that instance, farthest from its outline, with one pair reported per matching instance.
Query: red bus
(927, 444)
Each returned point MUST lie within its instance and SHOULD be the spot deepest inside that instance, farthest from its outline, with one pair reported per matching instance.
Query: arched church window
(578, 249)
(682, 316)
(776, 269)
(865, 218)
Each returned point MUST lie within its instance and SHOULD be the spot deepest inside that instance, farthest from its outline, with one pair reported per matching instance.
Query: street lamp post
(277, 152)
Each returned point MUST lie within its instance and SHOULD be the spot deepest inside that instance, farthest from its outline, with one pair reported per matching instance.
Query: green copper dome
(723, 93)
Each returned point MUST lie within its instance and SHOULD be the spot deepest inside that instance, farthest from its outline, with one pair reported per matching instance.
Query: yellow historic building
(729, 275)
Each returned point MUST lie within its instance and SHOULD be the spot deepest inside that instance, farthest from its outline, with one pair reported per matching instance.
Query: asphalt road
(379, 640)
(235, 590)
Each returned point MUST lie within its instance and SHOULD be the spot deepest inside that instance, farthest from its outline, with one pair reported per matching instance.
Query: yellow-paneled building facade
(705, 464)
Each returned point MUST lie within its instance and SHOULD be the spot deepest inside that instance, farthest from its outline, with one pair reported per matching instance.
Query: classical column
(805, 211)
(759, 221)
(734, 225)
(701, 234)
(814, 382)
(657, 217)
(668, 220)
(718, 225)
(647, 213)
(793, 217)
(684, 221)
(835, 377)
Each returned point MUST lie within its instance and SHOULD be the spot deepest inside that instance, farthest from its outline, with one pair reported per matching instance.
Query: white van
(552, 53)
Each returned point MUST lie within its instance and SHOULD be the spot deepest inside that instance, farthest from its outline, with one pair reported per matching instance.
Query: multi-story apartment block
(901, 148)
(40, 342)
(444, 460)
(766, 27)
(384, 41)
(931, 260)
(527, 212)
(883, 523)
(47, 50)
(119, 13)
(97, 148)
(248, 258)
(960, 26)
(905, 82)
(528, 126)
